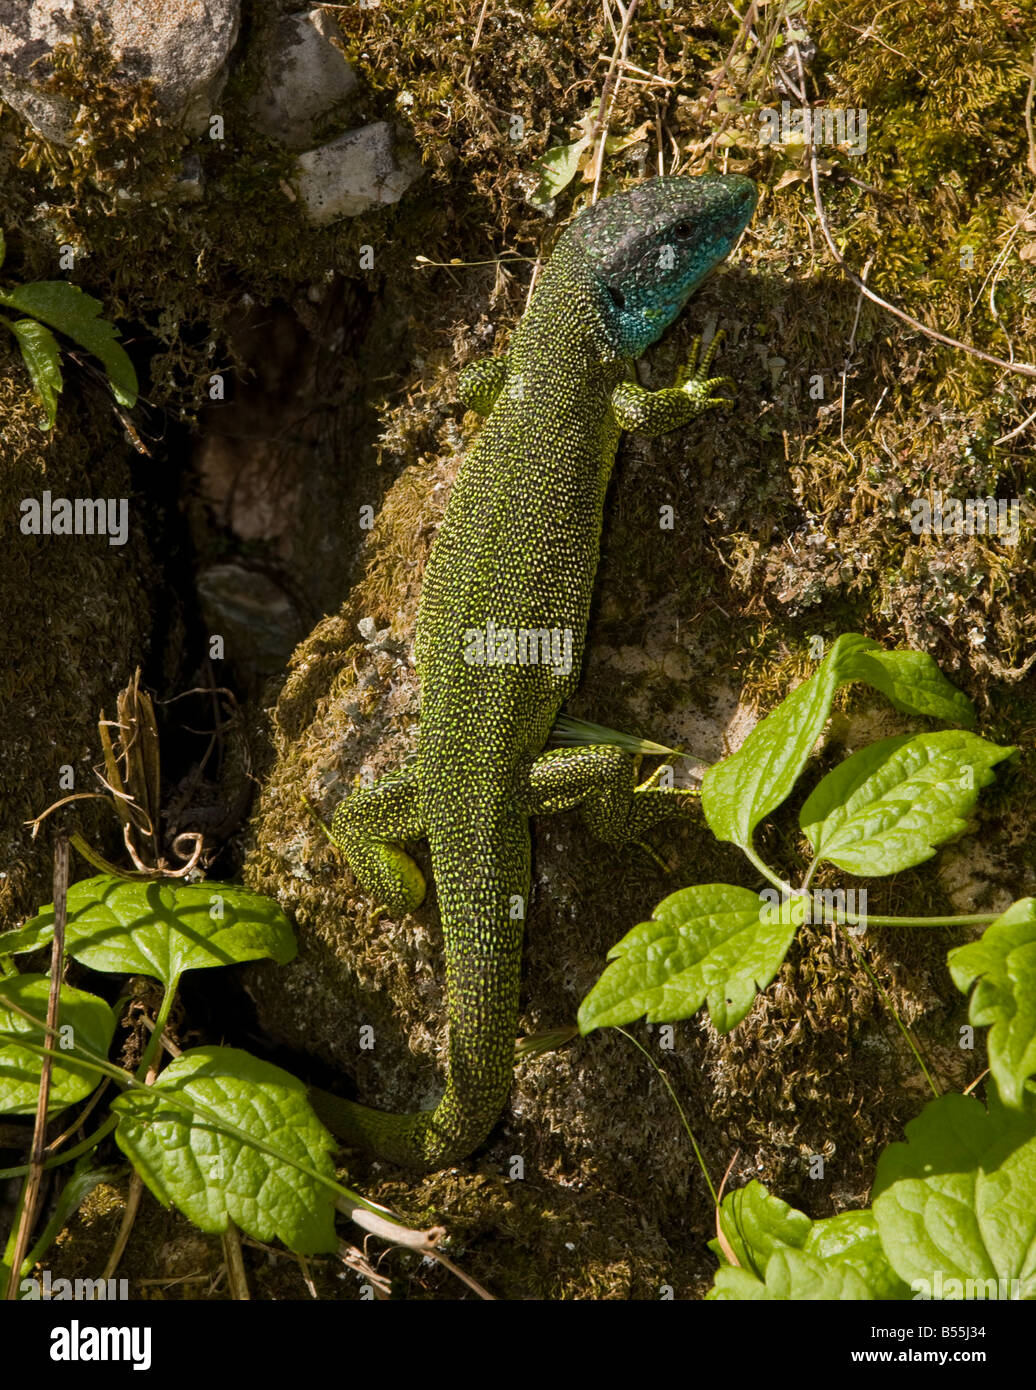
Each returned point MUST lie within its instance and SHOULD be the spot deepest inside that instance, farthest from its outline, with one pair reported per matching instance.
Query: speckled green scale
(516, 555)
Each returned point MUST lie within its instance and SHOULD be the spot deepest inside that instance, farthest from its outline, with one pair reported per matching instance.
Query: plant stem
(155, 1041)
(90, 1142)
(767, 872)
(680, 1110)
(973, 919)
(895, 1013)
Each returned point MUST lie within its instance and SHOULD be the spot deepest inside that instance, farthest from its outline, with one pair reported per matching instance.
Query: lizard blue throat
(517, 554)
(652, 246)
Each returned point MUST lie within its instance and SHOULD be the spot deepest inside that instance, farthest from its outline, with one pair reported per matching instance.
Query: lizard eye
(683, 230)
(617, 297)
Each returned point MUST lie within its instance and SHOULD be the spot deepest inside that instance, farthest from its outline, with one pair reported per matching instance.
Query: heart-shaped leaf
(159, 928)
(782, 1255)
(249, 1148)
(712, 941)
(889, 806)
(956, 1204)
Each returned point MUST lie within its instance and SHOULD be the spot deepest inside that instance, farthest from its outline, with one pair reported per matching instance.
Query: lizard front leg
(658, 412)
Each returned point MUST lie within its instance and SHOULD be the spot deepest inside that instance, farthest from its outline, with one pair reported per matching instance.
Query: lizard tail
(482, 938)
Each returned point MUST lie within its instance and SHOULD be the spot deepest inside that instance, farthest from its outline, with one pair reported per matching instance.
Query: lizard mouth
(744, 195)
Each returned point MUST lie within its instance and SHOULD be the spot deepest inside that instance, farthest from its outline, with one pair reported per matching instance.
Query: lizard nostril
(617, 298)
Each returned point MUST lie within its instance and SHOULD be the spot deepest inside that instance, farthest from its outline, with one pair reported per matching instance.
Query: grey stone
(254, 615)
(362, 169)
(181, 45)
(304, 76)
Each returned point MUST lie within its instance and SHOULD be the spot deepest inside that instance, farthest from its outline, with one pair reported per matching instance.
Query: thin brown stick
(972, 1084)
(1028, 116)
(653, 78)
(475, 41)
(1020, 368)
(1018, 429)
(465, 1278)
(236, 1275)
(721, 1237)
(609, 91)
(746, 26)
(81, 1118)
(307, 1277)
(846, 363)
(129, 1215)
(39, 1134)
(76, 796)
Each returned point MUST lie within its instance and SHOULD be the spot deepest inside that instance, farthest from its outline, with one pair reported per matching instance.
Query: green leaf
(33, 937)
(734, 1285)
(738, 792)
(793, 1276)
(913, 683)
(1003, 961)
(889, 806)
(42, 357)
(73, 312)
(556, 169)
(83, 1019)
(712, 941)
(213, 1176)
(784, 1255)
(569, 732)
(615, 144)
(755, 1224)
(161, 929)
(851, 1240)
(957, 1201)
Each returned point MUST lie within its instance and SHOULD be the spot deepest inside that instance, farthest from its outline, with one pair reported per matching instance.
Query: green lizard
(502, 624)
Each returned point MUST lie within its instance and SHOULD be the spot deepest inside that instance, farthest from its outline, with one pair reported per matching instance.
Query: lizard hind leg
(481, 382)
(602, 781)
(368, 826)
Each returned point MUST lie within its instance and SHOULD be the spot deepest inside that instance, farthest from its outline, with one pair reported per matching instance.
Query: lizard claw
(701, 388)
(696, 368)
(693, 378)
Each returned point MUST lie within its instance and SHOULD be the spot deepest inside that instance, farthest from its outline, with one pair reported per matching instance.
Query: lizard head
(651, 246)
